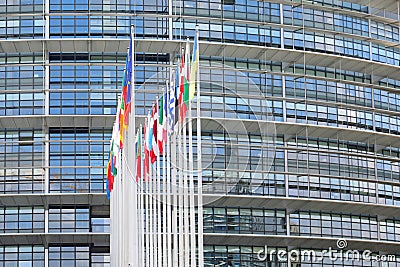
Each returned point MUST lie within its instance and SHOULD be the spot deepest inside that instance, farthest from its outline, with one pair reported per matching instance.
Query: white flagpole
(191, 188)
(180, 195)
(145, 250)
(151, 211)
(133, 237)
(185, 170)
(120, 219)
(151, 215)
(147, 200)
(174, 175)
(123, 186)
(112, 216)
(155, 196)
(117, 189)
(174, 188)
(199, 165)
(185, 198)
(141, 206)
(158, 198)
(113, 203)
(167, 164)
(181, 175)
(174, 183)
(165, 229)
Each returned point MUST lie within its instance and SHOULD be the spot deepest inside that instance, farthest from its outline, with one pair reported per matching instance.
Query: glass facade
(337, 124)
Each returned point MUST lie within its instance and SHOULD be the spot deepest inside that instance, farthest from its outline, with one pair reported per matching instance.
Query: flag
(165, 114)
(172, 104)
(114, 153)
(109, 175)
(154, 124)
(160, 125)
(181, 86)
(186, 79)
(129, 84)
(124, 80)
(152, 141)
(121, 125)
(194, 67)
(138, 146)
(108, 191)
(146, 151)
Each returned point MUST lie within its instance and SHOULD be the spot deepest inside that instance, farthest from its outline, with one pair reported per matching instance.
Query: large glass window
(21, 219)
(23, 255)
(84, 89)
(21, 6)
(79, 255)
(242, 220)
(26, 27)
(21, 161)
(331, 224)
(21, 89)
(78, 219)
(77, 159)
(74, 256)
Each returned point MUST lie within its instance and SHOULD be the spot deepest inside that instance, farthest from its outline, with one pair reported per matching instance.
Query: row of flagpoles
(150, 172)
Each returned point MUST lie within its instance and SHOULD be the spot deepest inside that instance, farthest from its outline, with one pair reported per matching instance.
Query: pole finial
(132, 31)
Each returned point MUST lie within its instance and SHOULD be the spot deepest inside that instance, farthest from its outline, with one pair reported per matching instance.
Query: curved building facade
(325, 74)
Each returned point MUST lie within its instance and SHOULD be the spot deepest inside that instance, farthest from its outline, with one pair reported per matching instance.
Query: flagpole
(113, 225)
(191, 188)
(164, 230)
(185, 169)
(148, 197)
(174, 202)
(159, 237)
(119, 195)
(168, 183)
(120, 202)
(174, 174)
(133, 253)
(180, 156)
(122, 185)
(112, 210)
(185, 197)
(166, 217)
(199, 164)
(145, 250)
(180, 195)
(151, 210)
(141, 206)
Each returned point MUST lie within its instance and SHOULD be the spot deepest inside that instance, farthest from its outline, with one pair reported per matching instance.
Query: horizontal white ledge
(293, 242)
(98, 199)
(211, 123)
(57, 239)
(232, 50)
(292, 204)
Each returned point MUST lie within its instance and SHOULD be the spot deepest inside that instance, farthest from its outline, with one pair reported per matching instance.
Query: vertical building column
(282, 31)
(379, 219)
(46, 89)
(45, 129)
(370, 43)
(46, 257)
(170, 22)
(47, 19)
(285, 153)
(46, 231)
(46, 102)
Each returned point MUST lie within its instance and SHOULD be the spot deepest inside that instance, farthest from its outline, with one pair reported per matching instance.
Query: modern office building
(326, 73)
